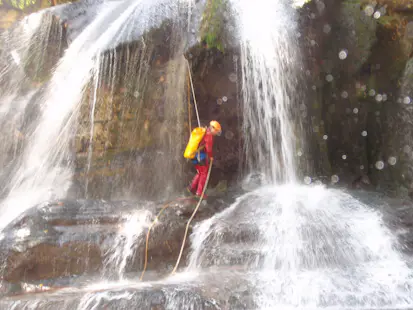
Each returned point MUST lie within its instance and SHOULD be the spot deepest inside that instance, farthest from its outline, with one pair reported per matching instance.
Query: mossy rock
(213, 23)
(359, 32)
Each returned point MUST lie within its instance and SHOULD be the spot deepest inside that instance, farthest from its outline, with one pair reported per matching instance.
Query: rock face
(69, 238)
(358, 54)
(174, 295)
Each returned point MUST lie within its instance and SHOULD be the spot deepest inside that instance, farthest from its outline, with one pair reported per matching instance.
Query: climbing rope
(189, 105)
(190, 219)
(169, 203)
(193, 93)
(149, 232)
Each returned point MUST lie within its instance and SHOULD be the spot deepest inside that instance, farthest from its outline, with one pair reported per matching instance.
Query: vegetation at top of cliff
(213, 23)
(30, 5)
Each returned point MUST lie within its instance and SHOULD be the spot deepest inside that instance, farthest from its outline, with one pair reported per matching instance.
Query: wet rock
(159, 297)
(67, 238)
(362, 181)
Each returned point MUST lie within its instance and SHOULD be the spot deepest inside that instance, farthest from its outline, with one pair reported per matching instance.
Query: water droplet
(329, 78)
(232, 77)
(136, 94)
(384, 97)
(369, 10)
(219, 101)
(361, 167)
(325, 137)
(224, 99)
(314, 87)
(355, 110)
(342, 55)
(344, 94)
(392, 160)
(326, 28)
(379, 97)
(379, 165)
(307, 180)
(407, 100)
(344, 157)
(229, 134)
(377, 15)
(320, 6)
(299, 153)
(334, 179)
(312, 42)
(372, 92)
(364, 133)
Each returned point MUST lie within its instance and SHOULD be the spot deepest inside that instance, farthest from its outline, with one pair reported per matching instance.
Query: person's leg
(203, 173)
(195, 180)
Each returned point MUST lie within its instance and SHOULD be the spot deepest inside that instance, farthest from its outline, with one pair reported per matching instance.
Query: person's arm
(209, 143)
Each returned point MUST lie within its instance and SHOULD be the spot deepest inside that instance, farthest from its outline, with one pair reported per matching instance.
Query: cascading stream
(270, 64)
(46, 167)
(307, 247)
(125, 243)
(285, 246)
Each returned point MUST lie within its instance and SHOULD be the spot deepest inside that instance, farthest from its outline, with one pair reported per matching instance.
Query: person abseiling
(203, 155)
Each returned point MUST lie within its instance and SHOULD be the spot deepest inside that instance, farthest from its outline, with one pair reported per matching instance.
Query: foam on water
(313, 247)
(124, 247)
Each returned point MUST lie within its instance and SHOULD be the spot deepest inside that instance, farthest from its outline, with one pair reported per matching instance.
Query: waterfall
(124, 247)
(307, 247)
(46, 167)
(304, 247)
(270, 64)
(281, 245)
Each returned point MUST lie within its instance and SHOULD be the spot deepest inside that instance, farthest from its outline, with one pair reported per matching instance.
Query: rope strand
(168, 204)
(193, 93)
(190, 219)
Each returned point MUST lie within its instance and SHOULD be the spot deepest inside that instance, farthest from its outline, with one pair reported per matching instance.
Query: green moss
(213, 24)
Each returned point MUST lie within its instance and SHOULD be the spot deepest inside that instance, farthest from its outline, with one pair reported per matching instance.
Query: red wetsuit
(199, 180)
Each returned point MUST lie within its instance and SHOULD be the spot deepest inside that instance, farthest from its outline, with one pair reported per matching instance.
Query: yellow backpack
(196, 137)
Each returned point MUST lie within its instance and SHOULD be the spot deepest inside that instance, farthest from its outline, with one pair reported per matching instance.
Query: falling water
(307, 247)
(92, 127)
(269, 61)
(126, 241)
(23, 63)
(46, 168)
(304, 247)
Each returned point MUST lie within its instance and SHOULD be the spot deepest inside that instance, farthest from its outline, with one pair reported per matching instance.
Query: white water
(307, 247)
(131, 232)
(270, 63)
(303, 247)
(46, 169)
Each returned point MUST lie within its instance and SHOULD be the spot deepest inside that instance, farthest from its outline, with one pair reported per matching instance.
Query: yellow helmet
(216, 125)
